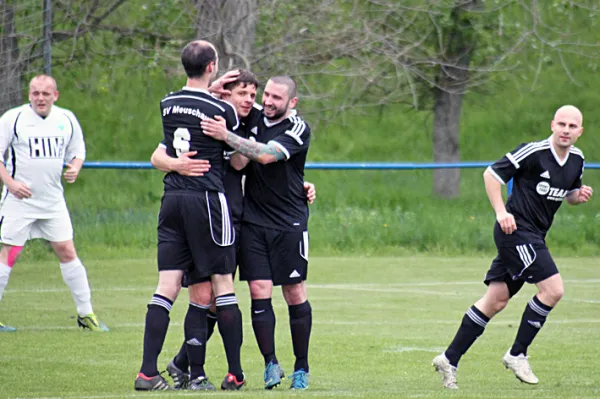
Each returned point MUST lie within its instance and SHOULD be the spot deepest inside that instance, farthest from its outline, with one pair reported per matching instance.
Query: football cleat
(273, 375)
(520, 366)
(442, 365)
(92, 323)
(5, 328)
(201, 384)
(156, 383)
(230, 383)
(299, 380)
(180, 377)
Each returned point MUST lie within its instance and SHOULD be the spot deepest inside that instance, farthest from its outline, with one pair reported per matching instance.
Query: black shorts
(520, 260)
(185, 280)
(195, 235)
(268, 254)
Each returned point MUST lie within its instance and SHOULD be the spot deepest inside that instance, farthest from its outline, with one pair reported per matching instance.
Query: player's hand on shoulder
(215, 128)
(217, 88)
(18, 189)
(187, 166)
(71, 173)
(507, 222)
(311, 192)
(585, 193)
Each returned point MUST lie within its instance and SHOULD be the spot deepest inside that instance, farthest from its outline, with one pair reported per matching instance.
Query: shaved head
(44, 79)
(288, 82)
(566, 127)
(42, 94)
(569, 111)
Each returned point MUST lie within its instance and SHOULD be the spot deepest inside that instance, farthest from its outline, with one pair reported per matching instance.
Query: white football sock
(4, 275)
(76, 279)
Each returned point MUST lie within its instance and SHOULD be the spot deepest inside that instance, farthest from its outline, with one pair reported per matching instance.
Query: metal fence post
(47, 16)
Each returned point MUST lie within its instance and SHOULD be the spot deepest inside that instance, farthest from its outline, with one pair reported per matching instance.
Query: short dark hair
(287, 81)
(196, 56)
(245, 78)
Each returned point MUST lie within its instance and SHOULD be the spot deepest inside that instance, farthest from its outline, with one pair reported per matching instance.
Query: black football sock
(263, 324)
(532, 321)
(300, 326)
(212, 321)
(195, 338)
(229, 319)
(472, 326)
(155, 331)
(181, 359)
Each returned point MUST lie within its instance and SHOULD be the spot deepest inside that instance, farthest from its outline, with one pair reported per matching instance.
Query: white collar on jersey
(32, 111)
(188, 88)
(269, 124)
(556, 157)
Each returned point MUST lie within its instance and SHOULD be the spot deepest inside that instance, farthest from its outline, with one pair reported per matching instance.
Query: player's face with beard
(275, 101)
(42, 94)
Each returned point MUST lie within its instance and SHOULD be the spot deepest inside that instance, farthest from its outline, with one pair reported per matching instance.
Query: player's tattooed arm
(263, 153)
(259, 152)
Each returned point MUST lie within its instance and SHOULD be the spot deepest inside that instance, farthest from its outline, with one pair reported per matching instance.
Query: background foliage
(114, 78)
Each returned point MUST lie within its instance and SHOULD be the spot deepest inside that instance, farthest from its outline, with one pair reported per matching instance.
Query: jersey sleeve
(7, 122)
(578, 183)
(231, 118)
(509, 165)
(76, 146)
(294, 140)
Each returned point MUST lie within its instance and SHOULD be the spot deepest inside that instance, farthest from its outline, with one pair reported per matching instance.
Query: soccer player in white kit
(36, 139)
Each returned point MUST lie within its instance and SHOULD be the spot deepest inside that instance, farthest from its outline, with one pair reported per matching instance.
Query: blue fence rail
(330, 165)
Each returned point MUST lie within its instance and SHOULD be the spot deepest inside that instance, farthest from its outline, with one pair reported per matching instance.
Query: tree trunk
(230, 25)
(448, 100)
(10, 67)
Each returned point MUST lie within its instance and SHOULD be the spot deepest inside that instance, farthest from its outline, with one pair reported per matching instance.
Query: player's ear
(293, 102)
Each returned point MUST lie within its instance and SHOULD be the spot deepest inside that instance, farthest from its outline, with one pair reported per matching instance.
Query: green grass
(378, 322)
(358, 212)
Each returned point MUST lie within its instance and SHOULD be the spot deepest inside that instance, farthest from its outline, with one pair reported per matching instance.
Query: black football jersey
(275, 195)
(233, 177)
(541, 181)
(182, 113)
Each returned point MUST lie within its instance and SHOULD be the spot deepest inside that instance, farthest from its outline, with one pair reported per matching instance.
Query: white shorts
(16, 231)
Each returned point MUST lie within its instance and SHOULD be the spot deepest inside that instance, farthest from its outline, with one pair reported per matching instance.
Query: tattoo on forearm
(252, 149)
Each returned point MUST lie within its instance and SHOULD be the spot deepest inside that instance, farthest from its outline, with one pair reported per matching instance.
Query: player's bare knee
(260, 289)
(551, 295)
(490, 305)
(169, 283)
(294, 294)
(4, 252)
(551, 290)
(499, 304)
(222, 284)
(201, 293)
(65, 251)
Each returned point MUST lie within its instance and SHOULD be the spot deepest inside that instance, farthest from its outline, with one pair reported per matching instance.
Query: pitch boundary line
(316, 286)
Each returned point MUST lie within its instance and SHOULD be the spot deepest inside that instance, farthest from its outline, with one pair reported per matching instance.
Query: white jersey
(35, 150)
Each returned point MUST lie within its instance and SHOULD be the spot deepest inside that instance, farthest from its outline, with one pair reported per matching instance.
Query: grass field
(378, 322)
